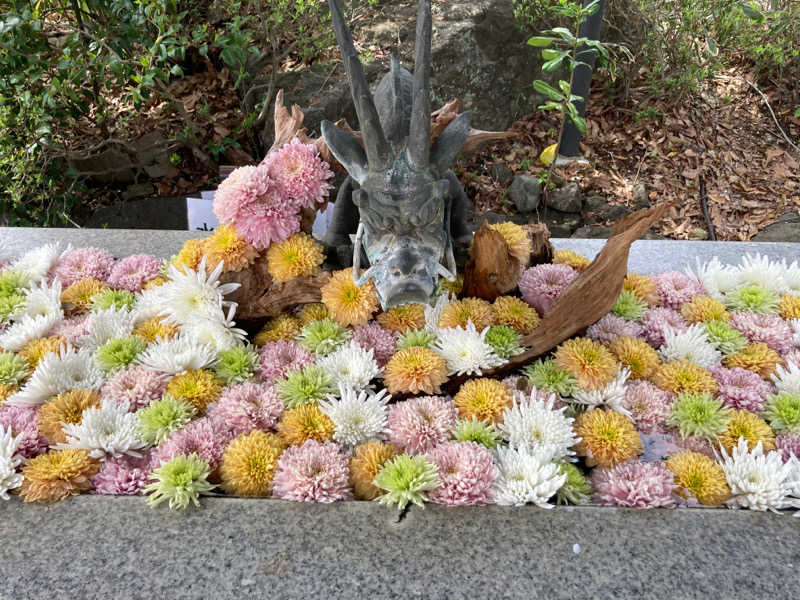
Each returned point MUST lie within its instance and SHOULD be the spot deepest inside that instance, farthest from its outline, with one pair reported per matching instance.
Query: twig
(704, 205)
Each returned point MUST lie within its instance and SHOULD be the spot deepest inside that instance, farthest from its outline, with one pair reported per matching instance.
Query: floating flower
(699, 476)
(348, 303)
(480, 432)
(9, 461)
(692, 345)
(629, 307)
(415, 370)
(768, 329)
(423, 339)
(657, 320)
(367, 460)
(177, 355)
(373, 337)
(589, 362)
(190, 255)
(611, 396)
(545, 375)
(350, 365)
(41, 299)
(132, 272)
(741, 389)
(198, 387)
(314, 311)
(466, 351)
(789, 307)
(24, 425)
(526, 478)
(298, 256)
(649, 407)
(540, 427)
(466, 474)
(517, 239)
(28, 329)
(676, 288)
(634, 484)
(610, 327)
(576, 488)
(543, 284)
(305, 422)
(249, 462)
(282, 327)
(181, 481)
(299, 172)
(14, 369)
(323, 337)
(635, 354)
(704, 309)
(684, 376)
(357, 416)
(58, 474)
(116, 299)
(201, 436)
(724, 337)
(35, 350)
(787, 379)
(225, 248)
(746, 426)
(236, 364)
(419, 424)
(483, 399)
(788, 445)
(461, 312)
(571, 259)
(752, 298)
(504, 341)
(306, 385)
(606, 437)
(71, 329)
(278, 359)
(403, 317)
(247, 406)
(407, 479)
(38, 263)
(643, 287)
(757, 357)
(104, 325)
(124, 476)
(65, 409)
(700, 415)
(82, 263)
(758, 480)
(515, 313)
(158, 420)
(783, 413)
(107, 430)
(118, 354)
(313, 472)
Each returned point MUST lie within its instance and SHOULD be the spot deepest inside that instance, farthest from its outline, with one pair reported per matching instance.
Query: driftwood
(491, 270)
(541, 248)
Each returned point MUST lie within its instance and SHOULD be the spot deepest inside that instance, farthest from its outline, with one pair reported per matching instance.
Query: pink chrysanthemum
(466, 472)
(768, 329)
(741, 389)
(202, 437)
(82, 263)
(419, 424)
(125, 476)
(300, 172)
(675, 288)
(649, 406)
(541, 285)
(657, 319)
(788, 445)
(136, 386)
(792, 356)
(247, 406)
(373, 337)
(517, 383)
(23, 421)
(634, 484)
(71, 329)
(313, 472)
(278, 359)
(132, 272)
(610, 327)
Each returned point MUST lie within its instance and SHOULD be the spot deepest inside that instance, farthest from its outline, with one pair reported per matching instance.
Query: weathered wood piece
(491, 270)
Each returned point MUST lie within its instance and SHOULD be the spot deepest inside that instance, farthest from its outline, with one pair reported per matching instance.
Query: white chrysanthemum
(351, 365)
(611, 396)
(9, 461)
(358, 417)
(716, 278)
(791, 277)
(758, 481)
(526, 477)
(757, 269)
(38, 262)
(41, 299)
(110, 430)
(149, 304)
(190, 293)
(465, 350)
(59, 372)
(28, 329)
(692, 345)
(177, 355)
(218, 331)
(795, 325)
(433, 314)
(534, 424)
(787, 379)
(104, 325)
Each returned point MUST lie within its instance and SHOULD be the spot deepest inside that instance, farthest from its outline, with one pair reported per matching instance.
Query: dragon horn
(419, 135)
(375, 144)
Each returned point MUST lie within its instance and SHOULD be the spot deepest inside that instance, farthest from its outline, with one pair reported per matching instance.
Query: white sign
(200, 212)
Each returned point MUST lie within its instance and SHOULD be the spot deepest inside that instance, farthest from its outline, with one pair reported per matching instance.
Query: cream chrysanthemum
(415, 370)
(177, 355)
(692, 345)
(484, 400)
(348, 303)
(466, 351)
(282, 327)
(759, 480)
(526, 477)
(107, 430)
(351, 366)
(358, 417)
(537, 425)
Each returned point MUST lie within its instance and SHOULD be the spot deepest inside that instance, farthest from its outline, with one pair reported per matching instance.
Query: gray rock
(592, 232)
(640, 196)
(615, 212)
(786, 229)
(561, 224)
(525, 191)
(594, 204)
(138, 190)
(109, 166)
(501, 173)
(566, 199)
(150, 213)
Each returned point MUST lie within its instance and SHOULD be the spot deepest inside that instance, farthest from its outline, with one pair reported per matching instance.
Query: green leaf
(712, 47)
(797, 113)
(540, 42)
(547, 90)
(564, 33)
(553, 65)
(550, 54)
(751, 12)
(579, 122)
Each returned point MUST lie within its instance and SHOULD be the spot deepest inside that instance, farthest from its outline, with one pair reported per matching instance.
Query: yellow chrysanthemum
(456, 314)
(758, 358)
(571, 259)
(591, 363)
(516, 313)
(698, 475)
(64, 408)
(298, 256)
(224, 246)
(78, 296)
(452, 287)
(57, 475)
(35, 350)
(684, 376)
(519, 243)
(643, 287)
(702, 309)
(314, 311)
(483, 399)
(751, 427)
(414, 370)
(348, 303)
(6, 389)
(607, 437)
(403, 317)
(198, 387)
(190, 255)
(282, 327)
(365, 463)
(155, 282)
(790, 306)
(154, 328)
(636, 354)
(248, 463)
(305, 422)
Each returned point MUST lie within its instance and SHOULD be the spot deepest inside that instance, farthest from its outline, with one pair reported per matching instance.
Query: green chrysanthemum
(236, 365)
(417, 337)
(406, 479)
(545, 375)
(119, 353)
(9, 305)
(181, 481)
(503, 340)
(324, 336)
(783, 413)
(699, 414)
(163, 417)
(14, 368)
(303, 386)
(753, 298)
(576, 489)
(629, 306)
(480, 432)
(13, 282)
(113, 299)
(727, 339)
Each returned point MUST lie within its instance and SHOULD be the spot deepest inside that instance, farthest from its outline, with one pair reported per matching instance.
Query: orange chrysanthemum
(348, 303)
(64, 408)
(403, 317)
(224, 246)
(519, 243)
(590, 362)
(758, 358)
(298, 256)
(790, 306)
(78, 297)
(154, 328)
(452, 287)
(456, 314)
(751, 427)
(155, 282)
(303, 423)
(365, 463)
(483, 399)
(198, 387)
(516, 313)
(702, 309)
(35, 350)
(248, 463)
(607, 438)
(699, 476)
(643, 287)
(414, 370)
(57, 475)
(282, 327)
(683, 376)
(190, 255)
(6, 389)
(636, 354)
(314, 311)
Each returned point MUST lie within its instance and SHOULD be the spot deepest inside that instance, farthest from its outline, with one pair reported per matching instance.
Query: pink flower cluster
(313, 472)
(419, 424)
(741, 389)
(279, 358)
(610, 327)
(203, 437)
(649, 406)
(23, 421)
(675, 288)
(125, 476)
(466, 473)
(659, 319)
(543, 284)
(634, 484)
(71, 329)
(373, 337)
(136, 386)
(132, 272)
(244, 407)
(768, 329)
(82, 263)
